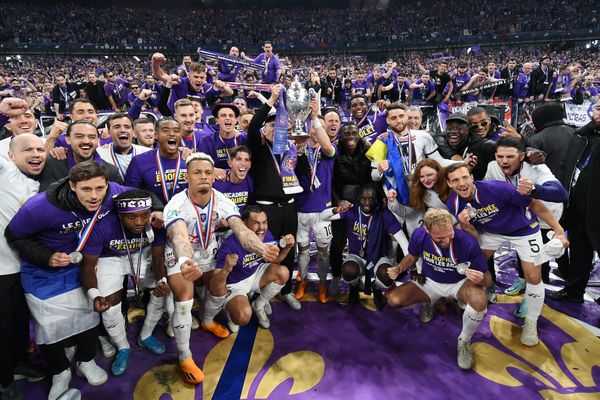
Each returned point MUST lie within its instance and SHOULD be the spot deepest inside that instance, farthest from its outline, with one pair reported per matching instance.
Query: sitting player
(453, 266)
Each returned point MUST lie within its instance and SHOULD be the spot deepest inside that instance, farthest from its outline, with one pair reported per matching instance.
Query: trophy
(297, 99)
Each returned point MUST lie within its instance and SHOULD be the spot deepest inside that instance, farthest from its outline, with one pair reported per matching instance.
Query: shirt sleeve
(173, 212)
(476, 257)
(415, 246)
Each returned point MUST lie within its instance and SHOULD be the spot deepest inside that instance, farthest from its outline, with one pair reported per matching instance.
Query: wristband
(316, 123)
(161, 281)
(182, 260)
(93, 293)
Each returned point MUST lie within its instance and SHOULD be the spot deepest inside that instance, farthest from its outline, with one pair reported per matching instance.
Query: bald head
(28, 153)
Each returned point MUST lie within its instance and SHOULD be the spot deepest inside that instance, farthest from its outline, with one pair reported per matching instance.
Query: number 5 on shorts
(534, 246)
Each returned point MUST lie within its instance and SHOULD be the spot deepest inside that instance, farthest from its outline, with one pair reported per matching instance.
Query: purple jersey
(440, 264)
(366, 128)
(522, 85)
(365, 229)
(247, 262)
(316, 196)
(228, 71)
(236, 192)
(271, 64)
(460, 80)
(218, 148)
(117, 90)
(361, 88)
(193, 141)
(420, 94)
(143, 172)
(184, 89)
(106, 240)
(500, 209)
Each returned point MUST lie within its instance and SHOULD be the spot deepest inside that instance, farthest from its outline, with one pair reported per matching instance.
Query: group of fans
(205, 200)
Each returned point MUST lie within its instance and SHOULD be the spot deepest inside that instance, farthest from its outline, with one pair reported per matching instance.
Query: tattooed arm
(251, 242)
(178, 235)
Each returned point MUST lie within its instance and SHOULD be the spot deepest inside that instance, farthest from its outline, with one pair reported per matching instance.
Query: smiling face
(240, 165)
(396, 120)
(332, 124)
(413, 119)
(367, 199)
(461, 182)
(441, 235)
(245, 121)
(144, 134)
(226, 120)
(168, 135)
(257, 222)
(84, 111)
(121, 132)
(197, 79)
(28, 153)
(83, 139)
(91, 192)
(456, 131)
(428, 177)
(349, 137)
(186, 116)
(480, 124)
(509, 159)
(24, 123)
(358, 107)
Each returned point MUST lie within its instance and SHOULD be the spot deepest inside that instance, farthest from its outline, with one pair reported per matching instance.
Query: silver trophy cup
(297, 99)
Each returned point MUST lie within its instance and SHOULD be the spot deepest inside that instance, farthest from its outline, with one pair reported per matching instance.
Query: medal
(204, 254)
(282, 243)
(361, 253)
(76, 257)
(462, 267)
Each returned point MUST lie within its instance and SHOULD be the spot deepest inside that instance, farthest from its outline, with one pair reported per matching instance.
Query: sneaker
(268, 308)
(322, 293)
(71, 394)
(426, 315)
(491, 294)
(291, 301)
(263, 320)
(233, 327)
(191, 373)
(153, 344)
(521, 311)
(195, 323)
(11, 392)
(354, 295)
(464, 357)
(108, 350)
(169, 330)
(119, 365)
(95, 375)
(529, 336)
(301, 289)
(379, 299)
(27, 370)
(516, 288)
(334, 287)
(60, 384)
(216, 329)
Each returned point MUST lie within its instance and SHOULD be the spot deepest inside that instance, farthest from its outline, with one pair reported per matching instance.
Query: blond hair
(182, 103)
(437, 217)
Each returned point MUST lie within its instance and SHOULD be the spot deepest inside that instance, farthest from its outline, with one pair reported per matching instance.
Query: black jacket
(485, 151)
(96, 96)
(55, 170)
(553, 138)
(539, 81)
(349, 173)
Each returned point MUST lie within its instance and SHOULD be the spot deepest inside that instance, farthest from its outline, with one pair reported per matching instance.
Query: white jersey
(17, 188)
(180, 207)
(121, 161)
(538, 174)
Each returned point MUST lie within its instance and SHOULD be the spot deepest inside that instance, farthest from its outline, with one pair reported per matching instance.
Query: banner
(579, 114)
(501, 109)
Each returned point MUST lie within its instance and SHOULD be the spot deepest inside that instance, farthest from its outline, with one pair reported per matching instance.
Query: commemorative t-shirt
(118, 90)
(357, 221)
(317, 194)
(143, 172)
(500, 209)
(207, 93)
(272, 65)
(218, 148)
(181, 208)
(360, 88)
(236, 192)
(247, 262)
(440, 264)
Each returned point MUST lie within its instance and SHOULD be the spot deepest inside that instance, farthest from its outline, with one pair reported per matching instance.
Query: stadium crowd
(196, 180)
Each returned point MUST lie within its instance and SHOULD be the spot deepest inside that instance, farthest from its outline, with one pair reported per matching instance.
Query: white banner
(579, 114)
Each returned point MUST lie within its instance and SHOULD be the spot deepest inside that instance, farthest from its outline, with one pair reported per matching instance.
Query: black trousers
(14, 326)
(54, 354)
(283, 220)
(338, 243)
(581, 254)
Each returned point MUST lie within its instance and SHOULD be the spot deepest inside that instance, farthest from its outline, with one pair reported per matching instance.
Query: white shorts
(206, 264)
(111, 271)
(248, 285)
(308, 222)
(362, 263)
(436, 290)
(527, 247)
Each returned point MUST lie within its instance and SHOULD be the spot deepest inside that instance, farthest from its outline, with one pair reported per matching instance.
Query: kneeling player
(453, 266)
(240, 272)
(126, 245)
(366, 224)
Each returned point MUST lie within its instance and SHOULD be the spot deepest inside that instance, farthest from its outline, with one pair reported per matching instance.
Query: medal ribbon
(509, 179)
(113, 156)
(277, 166)
(363, 240)
(440, 253)
(193, 140)
(163, 183)
(235, 143)
(86, 230)
(407, 163)
(314, 161)
(204, 235)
